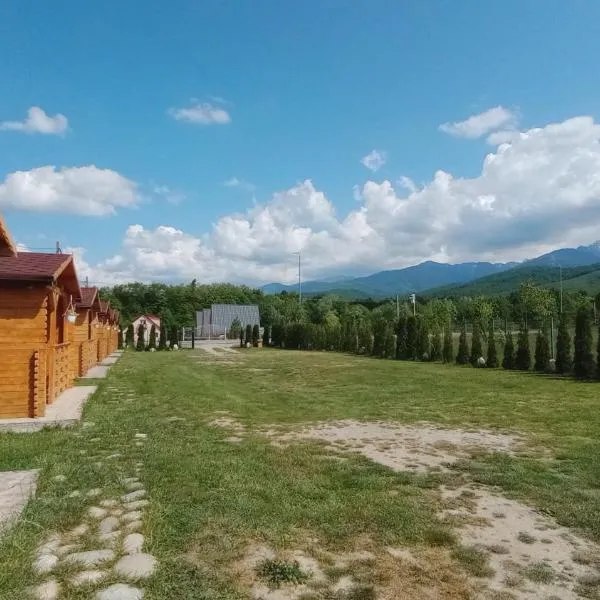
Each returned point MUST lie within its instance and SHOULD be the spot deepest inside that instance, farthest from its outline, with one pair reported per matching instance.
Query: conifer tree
(162, 342)
(255, 335)
(523, 355)
(476, 345)
(448, 351)
(436, 345)
(411, 338)
(129, 336)
(564, 359)
(248, 336)
(174, 338)
(141, 343)
(492, 352)
(508, 360)
(401, 341)
(423, 349)
(583, 360)
(152, 340)
(462, 357)
(542, 351)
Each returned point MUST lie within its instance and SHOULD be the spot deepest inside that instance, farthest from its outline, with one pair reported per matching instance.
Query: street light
(299, 253)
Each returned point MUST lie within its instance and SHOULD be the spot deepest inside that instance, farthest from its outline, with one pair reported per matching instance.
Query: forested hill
(574, 278)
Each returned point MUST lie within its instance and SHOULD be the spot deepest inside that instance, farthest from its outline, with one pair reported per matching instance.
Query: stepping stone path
(114, 548)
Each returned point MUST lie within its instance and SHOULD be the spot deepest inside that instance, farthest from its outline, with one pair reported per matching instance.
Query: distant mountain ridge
(429, 275)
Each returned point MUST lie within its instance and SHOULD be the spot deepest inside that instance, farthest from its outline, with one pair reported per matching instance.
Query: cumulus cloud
(84, 190)
(374, 160)
(234, 182)
(201, 113)
(38, 121)
(479, 125)
(538, 192)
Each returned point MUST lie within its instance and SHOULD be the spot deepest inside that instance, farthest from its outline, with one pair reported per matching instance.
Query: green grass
(210, 499)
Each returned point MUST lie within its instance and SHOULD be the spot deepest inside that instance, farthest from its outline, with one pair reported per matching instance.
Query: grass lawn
(210, 500)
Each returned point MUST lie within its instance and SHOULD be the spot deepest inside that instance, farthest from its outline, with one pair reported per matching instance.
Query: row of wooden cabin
(52, 330)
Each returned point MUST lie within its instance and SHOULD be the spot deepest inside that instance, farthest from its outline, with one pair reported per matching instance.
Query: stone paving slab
(110, 360)
(64, 412)
(15, 489)
(97, 372)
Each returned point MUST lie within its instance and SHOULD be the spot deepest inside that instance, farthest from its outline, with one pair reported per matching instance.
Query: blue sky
(304, 91)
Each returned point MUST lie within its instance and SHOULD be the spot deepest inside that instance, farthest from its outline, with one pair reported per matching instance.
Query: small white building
(147, 321)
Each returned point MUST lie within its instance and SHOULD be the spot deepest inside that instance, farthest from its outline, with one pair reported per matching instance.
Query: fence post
(193, 338)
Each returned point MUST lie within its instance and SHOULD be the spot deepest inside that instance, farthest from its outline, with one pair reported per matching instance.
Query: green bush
(542, 352)
(255, 335)
(412, 335)
(266, 335)
(423, 346)
(463, 355)
(174, 338)
(476, 345)
(401, 348)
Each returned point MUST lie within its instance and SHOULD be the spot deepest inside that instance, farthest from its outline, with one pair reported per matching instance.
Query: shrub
(248, 335)
(523, 355)
(542, 352)
(462, 357)
(390, 343)
(129, 336)
(276, 572)
(365, 339)
(235, 329)
(492, 353)
(379, 333)
(583, 361)
(508, 360)
(255, 335)
(411, 338)
(448, 350)
(401, 348)
(276, 335)
(140, 345)
(476, 345)
(436, 345)
(152, 340)
(564, 361)
(162, 342)
(266, 335)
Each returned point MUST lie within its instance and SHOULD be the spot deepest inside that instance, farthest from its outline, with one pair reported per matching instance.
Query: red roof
(88, 295)
(41, 267)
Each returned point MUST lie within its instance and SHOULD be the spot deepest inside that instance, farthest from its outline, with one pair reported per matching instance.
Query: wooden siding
(23, 318)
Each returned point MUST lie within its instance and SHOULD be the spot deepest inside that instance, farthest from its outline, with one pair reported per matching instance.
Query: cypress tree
(379, 339)
(492, 352)
(583, 360)
(162, 342)
(120, 340)
(436, 345)
(411, 338)
(141, 344)
(462, 357)
(508, 360)
(152, 340)
(423, 349)
(266, 335)
(255, 335)
(365, 339)
(401, 348)
(476, 345)
(523, 355)
(248, 336)
(129, 336)
(390, 343)
(448, 351)
(564, 360)
(174, 339)
(542, 351)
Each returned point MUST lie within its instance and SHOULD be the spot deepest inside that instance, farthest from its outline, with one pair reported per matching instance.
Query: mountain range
(452, 278)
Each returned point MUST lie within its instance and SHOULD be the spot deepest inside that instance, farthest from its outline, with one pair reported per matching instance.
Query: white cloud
(374, 160)
(38, 121)
(172, 196)
(240, 183)
(84, 190)
(201, 113)
(477, 126)
(538, 192)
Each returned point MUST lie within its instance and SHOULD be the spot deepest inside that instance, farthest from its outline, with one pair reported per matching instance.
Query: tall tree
(255, 335)
(120, 340)
(542, 351)
(463, 355)
(129, 336)
(140, 345)
(436, 345)
(401, 341)
(248, 336)
(266, 335)
(564, 360)
(174, 337)
(583, 360)
(523, 355)
(411, 338)
(152, 340)
(423, 349)
(509, 360)
(162, 342)
(448, 351)
(492, 353)
(476, 345)
(390, 343)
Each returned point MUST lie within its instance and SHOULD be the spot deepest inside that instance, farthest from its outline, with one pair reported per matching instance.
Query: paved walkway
(15, 489)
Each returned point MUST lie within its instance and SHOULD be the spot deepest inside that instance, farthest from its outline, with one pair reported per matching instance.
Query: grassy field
(211, 499)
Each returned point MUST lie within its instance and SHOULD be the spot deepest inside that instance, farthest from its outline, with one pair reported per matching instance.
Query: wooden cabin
(85, 353)
(38, 293)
